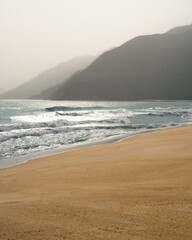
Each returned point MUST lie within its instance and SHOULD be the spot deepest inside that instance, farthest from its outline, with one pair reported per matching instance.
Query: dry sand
(139, 188)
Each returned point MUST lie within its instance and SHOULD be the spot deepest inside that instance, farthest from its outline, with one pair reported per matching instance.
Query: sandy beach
(136, 189)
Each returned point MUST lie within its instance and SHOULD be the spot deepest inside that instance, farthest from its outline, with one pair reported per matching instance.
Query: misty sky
(39, 34)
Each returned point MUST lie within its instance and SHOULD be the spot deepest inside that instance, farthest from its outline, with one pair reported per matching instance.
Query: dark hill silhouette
(48, 78)
(147, 67)
(180, 29)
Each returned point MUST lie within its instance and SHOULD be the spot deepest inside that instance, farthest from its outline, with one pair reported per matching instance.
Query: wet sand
(137, 189)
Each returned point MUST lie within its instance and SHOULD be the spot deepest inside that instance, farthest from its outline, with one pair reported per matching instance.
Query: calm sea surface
(29, 129)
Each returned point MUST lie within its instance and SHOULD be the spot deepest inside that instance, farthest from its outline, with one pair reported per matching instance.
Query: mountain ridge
(180, 29)
(48, 78)
(155, 67)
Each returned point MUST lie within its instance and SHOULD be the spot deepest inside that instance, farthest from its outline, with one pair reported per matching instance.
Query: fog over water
(39, 34)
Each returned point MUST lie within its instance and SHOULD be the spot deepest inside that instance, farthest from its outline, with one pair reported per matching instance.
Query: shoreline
(112, 139)
(38, 132)
(52, 152)
(137, 188)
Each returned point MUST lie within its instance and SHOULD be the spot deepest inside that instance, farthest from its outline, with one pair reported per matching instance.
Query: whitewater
(30, 129)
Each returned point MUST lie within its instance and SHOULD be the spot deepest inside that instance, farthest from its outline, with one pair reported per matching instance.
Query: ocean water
(29, 129)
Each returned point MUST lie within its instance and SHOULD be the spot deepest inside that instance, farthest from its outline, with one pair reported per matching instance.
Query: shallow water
(29, 129)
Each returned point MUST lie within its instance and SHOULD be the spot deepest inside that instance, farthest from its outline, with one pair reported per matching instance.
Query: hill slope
(180, 29)
(148, 67)
(48, 78)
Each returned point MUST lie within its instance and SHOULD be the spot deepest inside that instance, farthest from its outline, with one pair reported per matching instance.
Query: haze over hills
(51, 90)
(154, 67)
(49, 78)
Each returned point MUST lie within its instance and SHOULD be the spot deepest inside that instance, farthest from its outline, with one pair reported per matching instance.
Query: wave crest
(64, 108)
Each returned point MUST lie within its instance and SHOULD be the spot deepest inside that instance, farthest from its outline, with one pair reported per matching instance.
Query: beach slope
(137, 189)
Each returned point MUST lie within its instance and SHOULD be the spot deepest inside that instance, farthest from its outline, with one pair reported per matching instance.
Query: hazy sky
(39, 34)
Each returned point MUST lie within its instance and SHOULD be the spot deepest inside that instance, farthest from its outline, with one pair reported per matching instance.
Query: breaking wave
(35, 127)
(65, 108)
